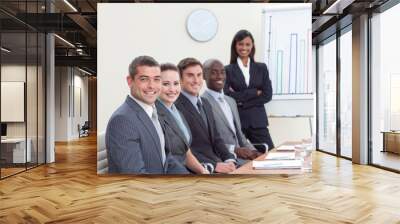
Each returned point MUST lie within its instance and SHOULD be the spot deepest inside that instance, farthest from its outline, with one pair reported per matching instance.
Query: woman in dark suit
(176, 130)
(247, 81)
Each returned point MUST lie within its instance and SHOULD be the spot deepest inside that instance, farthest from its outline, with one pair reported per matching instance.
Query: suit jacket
(207, 145)
(250, 106)
(133, 145)
(175, 140)
(231, 137)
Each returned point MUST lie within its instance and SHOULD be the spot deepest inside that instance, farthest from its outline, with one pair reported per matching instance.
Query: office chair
(102, 161)
(84, 130)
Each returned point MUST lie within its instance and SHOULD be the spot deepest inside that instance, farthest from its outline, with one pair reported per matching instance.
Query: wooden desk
(248, 167)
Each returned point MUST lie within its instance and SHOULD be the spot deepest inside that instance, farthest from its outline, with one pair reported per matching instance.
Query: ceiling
(76, 22)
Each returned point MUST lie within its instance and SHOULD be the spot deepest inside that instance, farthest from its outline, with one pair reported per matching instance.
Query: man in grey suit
(134, 138)
(225, 112)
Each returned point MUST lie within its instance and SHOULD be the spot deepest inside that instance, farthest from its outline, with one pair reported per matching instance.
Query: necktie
(202, 112)
(156, 122)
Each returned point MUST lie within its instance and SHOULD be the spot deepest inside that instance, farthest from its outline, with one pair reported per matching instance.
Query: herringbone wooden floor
(69, 191)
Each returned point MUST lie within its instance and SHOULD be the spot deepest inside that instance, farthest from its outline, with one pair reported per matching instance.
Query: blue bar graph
(288, 53)
(293, 63)
(279, 72)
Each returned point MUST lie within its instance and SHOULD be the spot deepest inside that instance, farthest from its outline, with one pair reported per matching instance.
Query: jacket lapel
(167, 118)
(217, 108)
(193, 111)
(187, 127)
(239, 76)
(253, 73)
(146, 121)
(234, 114)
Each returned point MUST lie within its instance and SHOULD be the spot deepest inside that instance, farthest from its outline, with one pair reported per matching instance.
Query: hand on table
(225, 167)
(246, 153)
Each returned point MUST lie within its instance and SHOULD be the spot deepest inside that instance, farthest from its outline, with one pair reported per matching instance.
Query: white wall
(126, 31)
(68, 82)
(61, 103)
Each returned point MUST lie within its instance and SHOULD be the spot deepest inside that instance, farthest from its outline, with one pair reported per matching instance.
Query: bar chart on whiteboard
(288, 50)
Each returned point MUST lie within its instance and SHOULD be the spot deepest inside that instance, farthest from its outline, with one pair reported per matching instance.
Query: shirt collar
(172, 108)
(216, 95)
(147, 108)
(192, 99)
(165, 105)
(240, 63)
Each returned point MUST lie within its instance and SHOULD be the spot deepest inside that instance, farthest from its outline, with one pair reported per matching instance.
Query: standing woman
(176, 130)
(247, 81)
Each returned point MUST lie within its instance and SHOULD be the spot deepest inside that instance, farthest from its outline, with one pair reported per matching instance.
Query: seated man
(225, 111)
(207, 145)
(134, 138)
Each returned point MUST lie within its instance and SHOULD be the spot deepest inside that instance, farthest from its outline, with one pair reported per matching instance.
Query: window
(327, 96)
(385, 89)
(346, 93)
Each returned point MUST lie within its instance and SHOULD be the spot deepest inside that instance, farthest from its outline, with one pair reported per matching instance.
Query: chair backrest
(102, 162)
(86, 125)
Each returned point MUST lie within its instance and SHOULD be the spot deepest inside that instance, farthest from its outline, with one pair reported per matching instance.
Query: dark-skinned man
(225, 112)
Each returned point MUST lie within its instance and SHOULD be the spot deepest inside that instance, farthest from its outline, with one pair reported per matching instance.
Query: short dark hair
(141, 61)
(239, 36)
(169, 66)
(188, 62)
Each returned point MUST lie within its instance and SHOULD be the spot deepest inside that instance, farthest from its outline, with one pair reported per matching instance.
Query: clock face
(202, 25)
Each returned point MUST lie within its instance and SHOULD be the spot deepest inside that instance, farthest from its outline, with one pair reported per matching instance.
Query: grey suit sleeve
(242, 139)
(222, 149)
(123, 146)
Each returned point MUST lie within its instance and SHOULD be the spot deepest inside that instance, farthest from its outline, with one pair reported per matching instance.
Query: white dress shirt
(245, 70)
(147, 108)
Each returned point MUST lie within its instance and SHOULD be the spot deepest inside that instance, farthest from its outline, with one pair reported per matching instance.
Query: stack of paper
(286, 148)
(280, 156)
(277, 164)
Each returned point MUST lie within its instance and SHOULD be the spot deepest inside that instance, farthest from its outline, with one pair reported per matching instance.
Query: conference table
(247, 168)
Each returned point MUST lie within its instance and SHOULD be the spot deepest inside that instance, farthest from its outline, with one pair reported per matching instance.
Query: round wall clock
(202, 25)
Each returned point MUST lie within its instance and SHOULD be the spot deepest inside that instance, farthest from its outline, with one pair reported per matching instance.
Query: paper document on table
(277, 164)
(280, 156)
(285, 148)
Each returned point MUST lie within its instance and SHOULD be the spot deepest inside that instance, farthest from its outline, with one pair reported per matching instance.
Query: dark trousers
(259, 135)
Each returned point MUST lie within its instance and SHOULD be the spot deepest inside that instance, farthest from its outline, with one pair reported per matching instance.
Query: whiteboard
(12, 101)
(288, 50)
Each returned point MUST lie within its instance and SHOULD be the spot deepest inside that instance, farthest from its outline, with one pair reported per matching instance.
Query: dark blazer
(175, 140)
(250, 106)
(133, 146)
(207, 146)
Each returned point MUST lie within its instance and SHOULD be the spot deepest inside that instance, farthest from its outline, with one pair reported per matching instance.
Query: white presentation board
(288, 50)
(12, 101)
